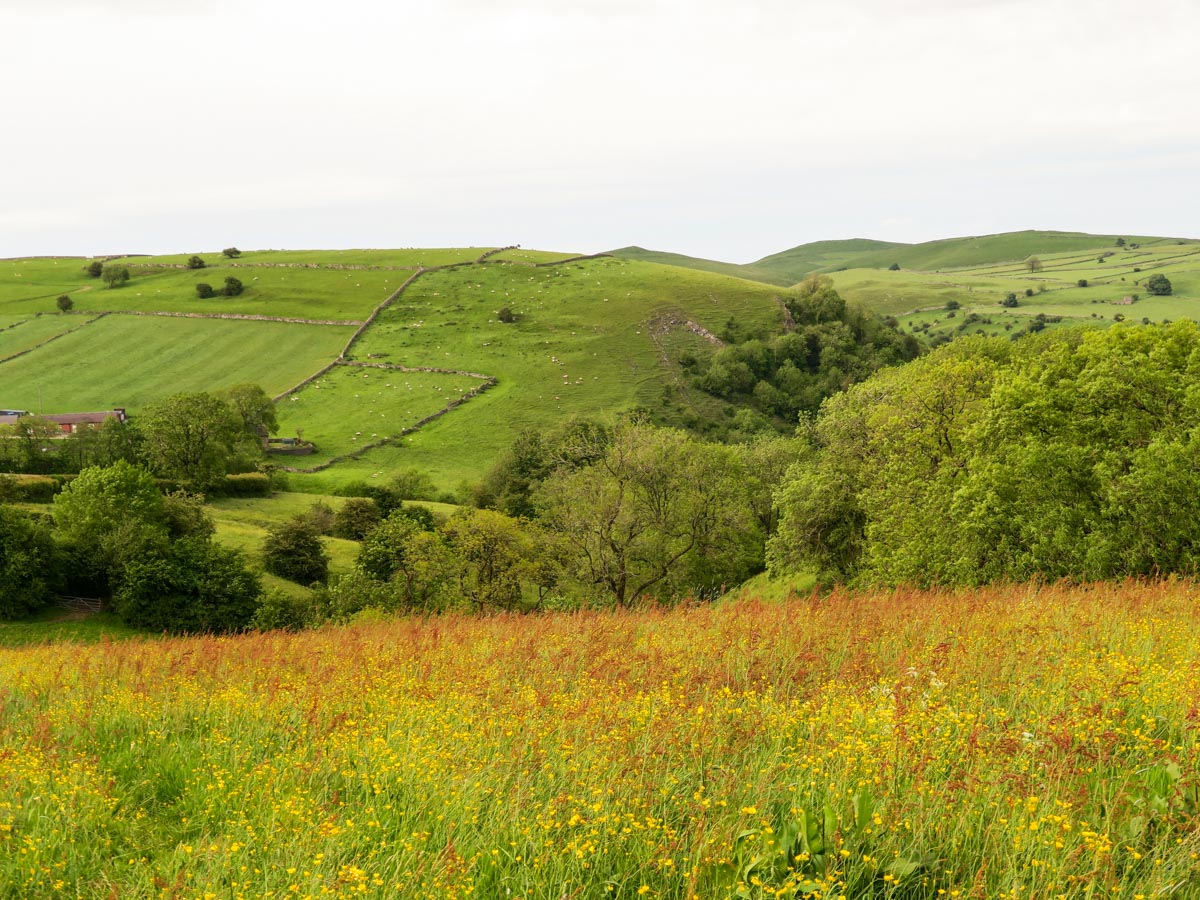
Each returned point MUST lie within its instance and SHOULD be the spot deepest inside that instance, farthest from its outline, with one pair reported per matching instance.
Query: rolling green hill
(794, 264)
(433, 379)
(751, 271)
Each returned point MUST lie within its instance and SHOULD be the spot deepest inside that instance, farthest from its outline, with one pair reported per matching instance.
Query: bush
(195, 587)
(1082, 282)
(247, 484)
(294, 551)
(953, 304)
(1010, 300)
(27, 564)
(320, 514)
(414, 484)
(1158, 285)
(506, 315)
(1028, 292)
(31, 489)
(195, 262)
(280, 611)
(232, 287)
(894, 267)
(356, 518)
(204, 291)
(231, 252)
(64, 303)
(94, 268)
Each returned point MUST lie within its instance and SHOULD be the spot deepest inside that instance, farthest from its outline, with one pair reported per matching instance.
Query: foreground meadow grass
(1010, 743)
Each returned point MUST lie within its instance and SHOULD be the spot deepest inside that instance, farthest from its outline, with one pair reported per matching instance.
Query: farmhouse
(68, 423)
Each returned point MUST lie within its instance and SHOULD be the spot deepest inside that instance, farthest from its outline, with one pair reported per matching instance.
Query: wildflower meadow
(1019, 742)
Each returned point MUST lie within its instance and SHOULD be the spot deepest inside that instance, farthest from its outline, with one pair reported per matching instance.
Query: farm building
(68, 423)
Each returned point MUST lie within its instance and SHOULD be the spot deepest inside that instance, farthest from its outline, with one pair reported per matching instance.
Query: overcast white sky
(712, 127)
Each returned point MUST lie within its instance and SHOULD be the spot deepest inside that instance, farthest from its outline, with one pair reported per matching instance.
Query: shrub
(414, 484)
(506, 315)
(894, 267)
(1082, 282)
(1010, 300)
(247, 484)
(356, 518)
(1158, 285)
(231, 252)
(195, 262)
(953, 304)
(64, 303)
(27, 564)
(195, 587)
(232, 287)
(32, 489)
(293, 550)
(281, 611)
(94, 268)
(1028, 292)
(204, 291)
(320, 514)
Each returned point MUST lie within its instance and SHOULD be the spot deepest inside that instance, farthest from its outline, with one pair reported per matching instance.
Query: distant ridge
(790, 266)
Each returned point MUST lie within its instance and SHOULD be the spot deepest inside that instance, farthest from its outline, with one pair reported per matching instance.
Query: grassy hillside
(589, 336)
(751, 271)
(919, 298)
(794, 264)
(1004, 743)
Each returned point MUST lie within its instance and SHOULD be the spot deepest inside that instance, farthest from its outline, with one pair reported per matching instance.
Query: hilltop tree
(1158, 285)
(231, 252)
(1033, 264)
(114, 275)
(195, 262)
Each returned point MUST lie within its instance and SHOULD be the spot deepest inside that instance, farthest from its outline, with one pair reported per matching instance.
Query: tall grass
(1016, 742)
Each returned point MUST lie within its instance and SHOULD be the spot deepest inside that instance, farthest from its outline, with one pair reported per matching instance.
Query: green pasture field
(520, 255)
(351, 406)
(582, 345)
(131, 361)
(733, 270)
(411, 258)
(58, 626)
(321, 294)
(20, 334)
(32, 285)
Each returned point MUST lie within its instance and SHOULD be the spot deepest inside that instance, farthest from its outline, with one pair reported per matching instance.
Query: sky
(717, 128)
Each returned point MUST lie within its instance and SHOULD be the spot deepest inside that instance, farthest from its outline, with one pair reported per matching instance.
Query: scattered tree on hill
(1010, 300)
(114, 275)
(95, 268)
(204, 291)
(1120, 242)
(1033, 264)
(894, 267)
(1158, 285)
(231, 252)
(233, 287)
(953, 304)
(1082, 282)
(64, 303)
(293, 550)
(195, 262)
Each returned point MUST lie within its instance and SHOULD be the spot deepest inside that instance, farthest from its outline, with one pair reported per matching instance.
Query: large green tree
(195, 438)
(29, 567)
